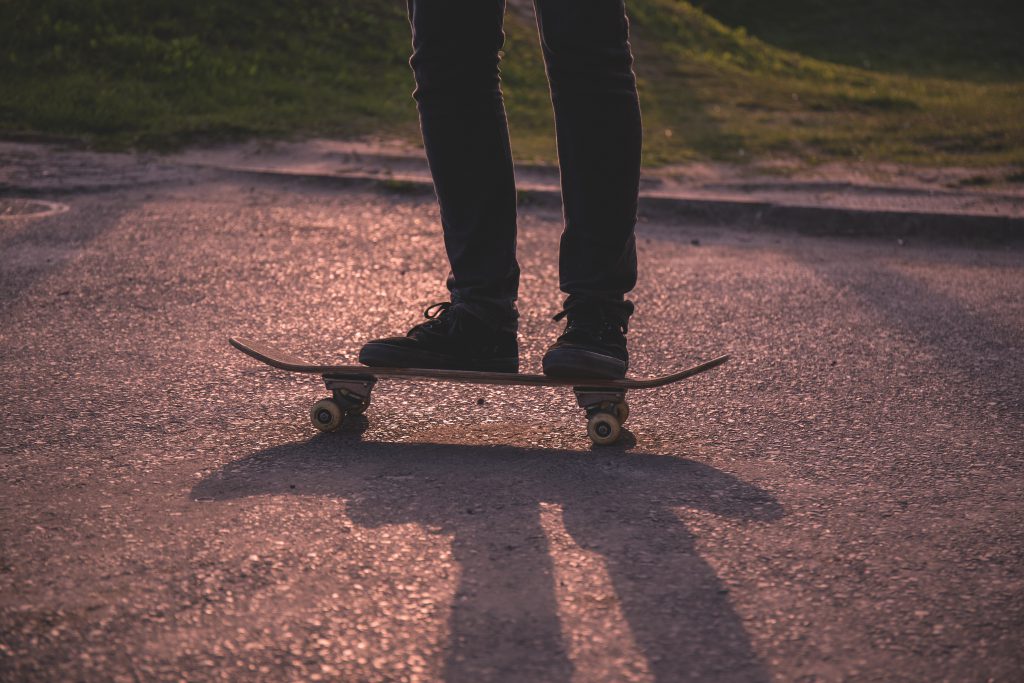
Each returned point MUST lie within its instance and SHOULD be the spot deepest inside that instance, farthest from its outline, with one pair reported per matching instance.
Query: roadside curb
(966, 229)
(844, 222)
(951, 228)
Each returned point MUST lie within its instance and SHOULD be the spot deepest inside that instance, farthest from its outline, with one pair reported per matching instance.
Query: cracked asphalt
(840, 502)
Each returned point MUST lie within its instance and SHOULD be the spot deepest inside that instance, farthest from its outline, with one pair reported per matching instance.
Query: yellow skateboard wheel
(326, 415)
(603, 429)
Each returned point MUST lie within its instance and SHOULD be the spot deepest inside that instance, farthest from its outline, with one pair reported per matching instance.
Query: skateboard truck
(606, 410)
(349, 394)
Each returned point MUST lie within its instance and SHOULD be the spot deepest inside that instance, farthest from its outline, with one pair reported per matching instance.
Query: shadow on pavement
(505, 618)
(32, 249)
(971, 348)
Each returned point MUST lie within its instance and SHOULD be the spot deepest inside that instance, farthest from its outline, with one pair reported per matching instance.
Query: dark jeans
(465, 133)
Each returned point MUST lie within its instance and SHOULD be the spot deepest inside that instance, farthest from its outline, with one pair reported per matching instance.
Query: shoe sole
(580, 363)
(386, 356)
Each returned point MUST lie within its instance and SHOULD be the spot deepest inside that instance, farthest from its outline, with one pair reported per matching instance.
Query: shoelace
(436, 315)
(436, 310)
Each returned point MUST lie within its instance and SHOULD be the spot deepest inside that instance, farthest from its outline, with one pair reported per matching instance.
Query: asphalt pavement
(840, 502)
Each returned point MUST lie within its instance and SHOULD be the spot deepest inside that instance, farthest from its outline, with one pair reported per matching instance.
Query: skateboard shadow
(504, 621)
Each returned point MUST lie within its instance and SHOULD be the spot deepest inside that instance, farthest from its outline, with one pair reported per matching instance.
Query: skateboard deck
(351, 385)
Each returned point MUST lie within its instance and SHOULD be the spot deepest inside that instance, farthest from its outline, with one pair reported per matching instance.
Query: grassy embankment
(939, 82)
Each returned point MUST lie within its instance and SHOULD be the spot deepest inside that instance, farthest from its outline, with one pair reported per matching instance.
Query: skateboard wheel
(326, 415)
(603, 429)
(622, 411)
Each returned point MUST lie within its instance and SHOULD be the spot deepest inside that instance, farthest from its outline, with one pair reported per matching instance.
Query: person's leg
(597, 120)
(455, 59)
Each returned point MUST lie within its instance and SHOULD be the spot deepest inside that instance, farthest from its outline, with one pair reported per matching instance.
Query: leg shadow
(675, 604)
(505, 623)
(971, 347)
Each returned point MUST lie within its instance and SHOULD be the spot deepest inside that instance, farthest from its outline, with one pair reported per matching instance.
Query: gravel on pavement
(840, 502)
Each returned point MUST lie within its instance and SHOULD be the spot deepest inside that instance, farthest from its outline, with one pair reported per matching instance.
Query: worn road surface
(841, 502)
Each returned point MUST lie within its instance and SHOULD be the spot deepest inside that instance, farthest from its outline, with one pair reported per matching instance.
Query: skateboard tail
(272, 356)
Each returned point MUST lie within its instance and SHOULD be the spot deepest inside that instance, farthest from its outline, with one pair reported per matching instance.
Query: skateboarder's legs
(465, 134)
(597, 121)
(455, 59)
(597, 116)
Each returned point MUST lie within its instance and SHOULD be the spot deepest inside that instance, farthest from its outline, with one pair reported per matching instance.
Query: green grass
(929, 83)
(725, 94)
(977, 40)
(156, 74)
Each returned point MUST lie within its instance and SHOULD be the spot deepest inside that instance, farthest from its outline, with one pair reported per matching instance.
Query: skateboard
(603, 400)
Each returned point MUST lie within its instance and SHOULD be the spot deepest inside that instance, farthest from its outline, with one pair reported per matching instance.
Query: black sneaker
(593, 344)
(451, 339)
